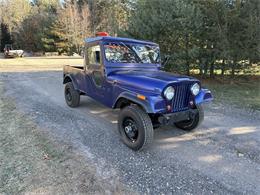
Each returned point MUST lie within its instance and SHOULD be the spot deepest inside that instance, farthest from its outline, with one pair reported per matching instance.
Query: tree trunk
(201, 71)
(205, 68)
(187, 67)
(212, 69)
(200, 68)
(233, 68)
(223, 67)
(187, 55)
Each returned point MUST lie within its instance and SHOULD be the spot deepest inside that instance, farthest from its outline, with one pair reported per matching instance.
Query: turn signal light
(191, 104)
(141, 97)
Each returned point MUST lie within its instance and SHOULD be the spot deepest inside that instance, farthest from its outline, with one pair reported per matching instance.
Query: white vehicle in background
(9, 52)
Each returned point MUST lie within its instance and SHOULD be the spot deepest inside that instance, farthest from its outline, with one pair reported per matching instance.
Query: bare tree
(72, 26)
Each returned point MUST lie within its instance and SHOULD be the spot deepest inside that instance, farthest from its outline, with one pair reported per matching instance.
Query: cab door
(95, 73)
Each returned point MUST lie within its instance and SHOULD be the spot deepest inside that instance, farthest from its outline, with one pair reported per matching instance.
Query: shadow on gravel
(100, 110)
(170, 137)
(219, 143)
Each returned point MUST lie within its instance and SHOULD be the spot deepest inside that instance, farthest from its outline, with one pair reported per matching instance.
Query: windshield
(123, 52)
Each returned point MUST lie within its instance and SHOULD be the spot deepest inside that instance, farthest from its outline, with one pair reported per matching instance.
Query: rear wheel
(193, 122)
(72, 96)
(135, 127)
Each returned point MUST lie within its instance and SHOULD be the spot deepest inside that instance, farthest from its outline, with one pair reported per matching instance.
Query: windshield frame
(130, 63)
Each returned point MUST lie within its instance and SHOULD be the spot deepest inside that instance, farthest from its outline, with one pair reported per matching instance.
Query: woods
(206, 37)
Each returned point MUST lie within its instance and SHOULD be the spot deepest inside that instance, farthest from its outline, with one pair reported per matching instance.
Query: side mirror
(166, 60)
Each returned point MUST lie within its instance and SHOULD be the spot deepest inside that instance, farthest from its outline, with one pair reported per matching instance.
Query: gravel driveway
(220, 157)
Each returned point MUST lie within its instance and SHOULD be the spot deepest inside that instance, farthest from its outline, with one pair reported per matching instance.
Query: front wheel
(193, 122)
(135, 127)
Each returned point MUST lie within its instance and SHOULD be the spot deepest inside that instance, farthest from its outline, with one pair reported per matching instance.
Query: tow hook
(164, 120)
(167, 119)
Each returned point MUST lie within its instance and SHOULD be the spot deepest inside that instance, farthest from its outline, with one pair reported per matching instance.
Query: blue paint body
(127, 80)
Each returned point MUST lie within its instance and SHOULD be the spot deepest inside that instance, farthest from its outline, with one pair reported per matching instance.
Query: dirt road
(220, 157)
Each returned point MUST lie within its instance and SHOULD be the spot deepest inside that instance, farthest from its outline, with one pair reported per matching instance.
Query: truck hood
(147, 81)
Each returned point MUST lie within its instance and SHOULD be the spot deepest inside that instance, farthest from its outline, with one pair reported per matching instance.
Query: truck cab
(126, 74)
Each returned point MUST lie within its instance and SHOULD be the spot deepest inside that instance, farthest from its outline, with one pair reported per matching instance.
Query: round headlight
(169, 93)
(195, 89)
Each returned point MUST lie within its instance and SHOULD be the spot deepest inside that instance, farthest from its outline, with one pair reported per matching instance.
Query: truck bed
(69, 69)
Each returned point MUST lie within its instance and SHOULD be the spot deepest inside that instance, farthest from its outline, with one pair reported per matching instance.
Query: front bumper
(10, 55)
(205, 95)
(171, 118)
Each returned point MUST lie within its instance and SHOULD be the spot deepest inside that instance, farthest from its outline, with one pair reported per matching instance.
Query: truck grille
(181, 97)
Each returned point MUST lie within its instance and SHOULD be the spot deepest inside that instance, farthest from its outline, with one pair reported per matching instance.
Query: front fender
(204, 96)
(133, 98)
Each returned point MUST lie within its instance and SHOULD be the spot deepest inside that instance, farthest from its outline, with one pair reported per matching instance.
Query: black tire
(194, 122)
(142, 124)
(72, 96)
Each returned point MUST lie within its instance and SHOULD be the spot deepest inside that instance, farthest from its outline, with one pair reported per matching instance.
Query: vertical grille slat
(178, 98)
(181, 98)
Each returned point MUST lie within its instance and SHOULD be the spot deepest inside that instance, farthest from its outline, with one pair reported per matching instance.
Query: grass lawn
(241, 92)
(37, 63)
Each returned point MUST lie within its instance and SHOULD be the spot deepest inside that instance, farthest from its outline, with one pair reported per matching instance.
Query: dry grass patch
(37, 63)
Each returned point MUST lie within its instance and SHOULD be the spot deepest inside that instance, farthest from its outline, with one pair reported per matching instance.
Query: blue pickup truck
(126, 74)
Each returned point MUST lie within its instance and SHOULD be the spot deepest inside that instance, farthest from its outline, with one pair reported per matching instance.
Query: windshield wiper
(136, 55)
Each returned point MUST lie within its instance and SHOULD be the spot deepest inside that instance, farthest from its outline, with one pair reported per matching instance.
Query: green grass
(254, 70)
(241, 93)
